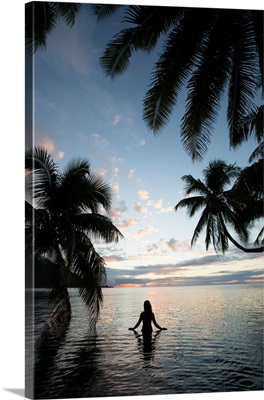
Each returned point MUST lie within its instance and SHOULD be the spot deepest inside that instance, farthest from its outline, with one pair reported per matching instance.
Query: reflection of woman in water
(147, 316)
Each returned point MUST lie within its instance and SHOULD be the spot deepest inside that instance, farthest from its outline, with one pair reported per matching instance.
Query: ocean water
(214, 343)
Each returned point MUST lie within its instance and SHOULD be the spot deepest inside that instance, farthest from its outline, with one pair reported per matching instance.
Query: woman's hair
(147, 306)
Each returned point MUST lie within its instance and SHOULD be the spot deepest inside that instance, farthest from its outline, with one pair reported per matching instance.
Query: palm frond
(89, 269)
(98, 226)
(258, 153)
(101, 191)
(202, 223)
(171, 71)
(221, 242)
(40, 20)
(258, 240)
(257, 20)
(242, 87)
(104, 10)
(45, 173)
(193, 204)
(68, 11)
(151, 22)
(218, 174)
(252, 124)
(206, 86)
(193, 185)
(116, 56)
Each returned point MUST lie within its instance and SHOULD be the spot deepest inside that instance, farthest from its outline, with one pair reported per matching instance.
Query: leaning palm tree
(220, 207)
(248, 190)
(40, 19)
(60, 225)
(209, 51)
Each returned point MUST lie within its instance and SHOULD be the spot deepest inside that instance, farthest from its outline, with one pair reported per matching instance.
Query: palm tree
(41, 18)
(252, 125)
(210, 51)
(248, 189)
(60, 226)
(220, 206)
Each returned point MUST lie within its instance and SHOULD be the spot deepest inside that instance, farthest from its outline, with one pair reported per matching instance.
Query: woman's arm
(156, 324)
(137, 324)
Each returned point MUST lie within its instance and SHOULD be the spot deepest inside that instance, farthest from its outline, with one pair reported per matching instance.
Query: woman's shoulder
(147, 314)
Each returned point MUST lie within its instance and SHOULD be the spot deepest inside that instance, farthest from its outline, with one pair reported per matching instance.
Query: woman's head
(147, 306)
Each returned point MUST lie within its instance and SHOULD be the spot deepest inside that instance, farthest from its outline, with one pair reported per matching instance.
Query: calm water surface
(214, 343)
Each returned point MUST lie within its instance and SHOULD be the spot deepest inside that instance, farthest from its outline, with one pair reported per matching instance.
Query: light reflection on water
(214, 343)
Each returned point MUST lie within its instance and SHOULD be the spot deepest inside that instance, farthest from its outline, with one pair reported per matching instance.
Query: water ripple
(201, 351)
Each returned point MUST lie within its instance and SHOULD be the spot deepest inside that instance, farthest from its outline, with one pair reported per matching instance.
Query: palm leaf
(194, 185)
(257, 153)
(172, 70)
(202, 223)
(242, 87)
(89, 269)
(206, 86)
(116, 56)
(193, 204)
(257, 21)
(98, 226)
(104, 10)
(45, 174)
(151, 22)
(68, 11)
(40, 20)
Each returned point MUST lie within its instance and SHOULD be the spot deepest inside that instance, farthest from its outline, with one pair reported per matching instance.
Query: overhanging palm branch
(209, 51)
(41, 18)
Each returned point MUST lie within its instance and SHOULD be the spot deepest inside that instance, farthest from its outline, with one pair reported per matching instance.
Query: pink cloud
(140, 208)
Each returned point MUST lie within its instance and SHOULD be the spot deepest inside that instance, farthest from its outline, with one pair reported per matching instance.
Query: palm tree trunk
(245, 249)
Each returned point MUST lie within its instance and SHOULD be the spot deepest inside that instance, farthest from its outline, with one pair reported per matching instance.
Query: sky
(79, 112)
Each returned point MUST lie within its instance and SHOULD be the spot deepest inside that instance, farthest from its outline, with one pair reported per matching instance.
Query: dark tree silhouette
(221, 206)
(210, 51)
(60, 226)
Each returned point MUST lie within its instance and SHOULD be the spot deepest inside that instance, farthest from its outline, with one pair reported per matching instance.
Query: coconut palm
(220, 207)
(248, 189)
(60, 226)
(210, 51)
(41, 18)
(252, 125)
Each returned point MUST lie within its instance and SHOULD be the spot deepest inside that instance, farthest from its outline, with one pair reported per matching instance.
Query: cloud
(131, 173)
(143, 194)
(101, 172)
(165, 210)
(140, 208)
(127, 223)
(116, 211)
(175, 274)
(99, 140)
(141, 143)
(116, 120)
(171, 244)
(158, 204)
(47, 143)
(59, 155)
(115, 187)
(146, 231)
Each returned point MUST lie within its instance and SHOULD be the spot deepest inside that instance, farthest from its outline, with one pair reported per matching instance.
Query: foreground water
(214, 343)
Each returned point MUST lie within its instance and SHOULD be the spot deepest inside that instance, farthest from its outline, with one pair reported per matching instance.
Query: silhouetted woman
(147, 316)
